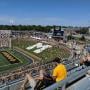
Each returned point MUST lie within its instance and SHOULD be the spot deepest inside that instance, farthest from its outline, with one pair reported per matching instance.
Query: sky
(45, 12)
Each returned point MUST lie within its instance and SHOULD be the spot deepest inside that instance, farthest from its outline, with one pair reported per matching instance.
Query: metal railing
(79, 73)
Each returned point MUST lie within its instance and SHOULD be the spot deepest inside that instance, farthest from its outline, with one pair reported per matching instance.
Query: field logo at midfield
(39, 47)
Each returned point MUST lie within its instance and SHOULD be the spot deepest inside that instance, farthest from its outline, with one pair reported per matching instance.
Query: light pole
(11, 24)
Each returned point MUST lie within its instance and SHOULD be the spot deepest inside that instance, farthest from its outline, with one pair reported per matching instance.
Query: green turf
(5, 65)
(47, 54)
(51, 53)
(3, 60)
(22, 43)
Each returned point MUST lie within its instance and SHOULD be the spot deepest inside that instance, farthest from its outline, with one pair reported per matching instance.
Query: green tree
(82, 38)
(83, 30)
(70, 37)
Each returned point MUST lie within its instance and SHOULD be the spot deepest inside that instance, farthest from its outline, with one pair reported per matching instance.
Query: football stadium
(26, 51)
(44, 44)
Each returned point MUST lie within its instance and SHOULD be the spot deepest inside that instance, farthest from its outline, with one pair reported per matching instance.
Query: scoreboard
(58, 32)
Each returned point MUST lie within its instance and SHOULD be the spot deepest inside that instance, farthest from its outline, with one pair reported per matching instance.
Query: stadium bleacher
(75, 74)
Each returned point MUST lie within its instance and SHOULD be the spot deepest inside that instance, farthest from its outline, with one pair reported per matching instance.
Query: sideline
(27, 54)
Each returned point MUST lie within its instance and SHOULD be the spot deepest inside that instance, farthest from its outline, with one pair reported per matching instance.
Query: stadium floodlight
(11, 22)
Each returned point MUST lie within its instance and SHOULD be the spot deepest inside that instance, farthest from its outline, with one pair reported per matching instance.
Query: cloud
(42, 21)
(6, 19)
(20, 20)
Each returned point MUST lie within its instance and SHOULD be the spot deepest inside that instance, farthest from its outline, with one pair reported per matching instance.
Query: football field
(12, 60)
(3, 61)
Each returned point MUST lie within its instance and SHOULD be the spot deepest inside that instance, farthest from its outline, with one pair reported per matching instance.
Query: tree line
(83, 30)
(26, 27)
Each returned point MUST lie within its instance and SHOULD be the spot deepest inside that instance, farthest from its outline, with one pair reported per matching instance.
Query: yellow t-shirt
(60, 72)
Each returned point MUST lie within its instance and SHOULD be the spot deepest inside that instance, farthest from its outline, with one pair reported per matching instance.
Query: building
(5, 39)
(58, 33)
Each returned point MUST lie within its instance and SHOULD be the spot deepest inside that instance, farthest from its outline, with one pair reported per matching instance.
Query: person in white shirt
(85, 60)
(32, 81)
(43, 80)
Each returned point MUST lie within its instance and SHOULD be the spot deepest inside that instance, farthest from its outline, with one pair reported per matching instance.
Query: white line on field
(5, 65)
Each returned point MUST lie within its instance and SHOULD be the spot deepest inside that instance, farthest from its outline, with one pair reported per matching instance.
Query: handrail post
(63, 87)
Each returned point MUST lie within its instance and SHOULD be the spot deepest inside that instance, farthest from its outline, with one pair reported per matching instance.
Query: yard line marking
(5, 65)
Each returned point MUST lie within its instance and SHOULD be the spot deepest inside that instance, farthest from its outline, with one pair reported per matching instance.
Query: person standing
(59, 72)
